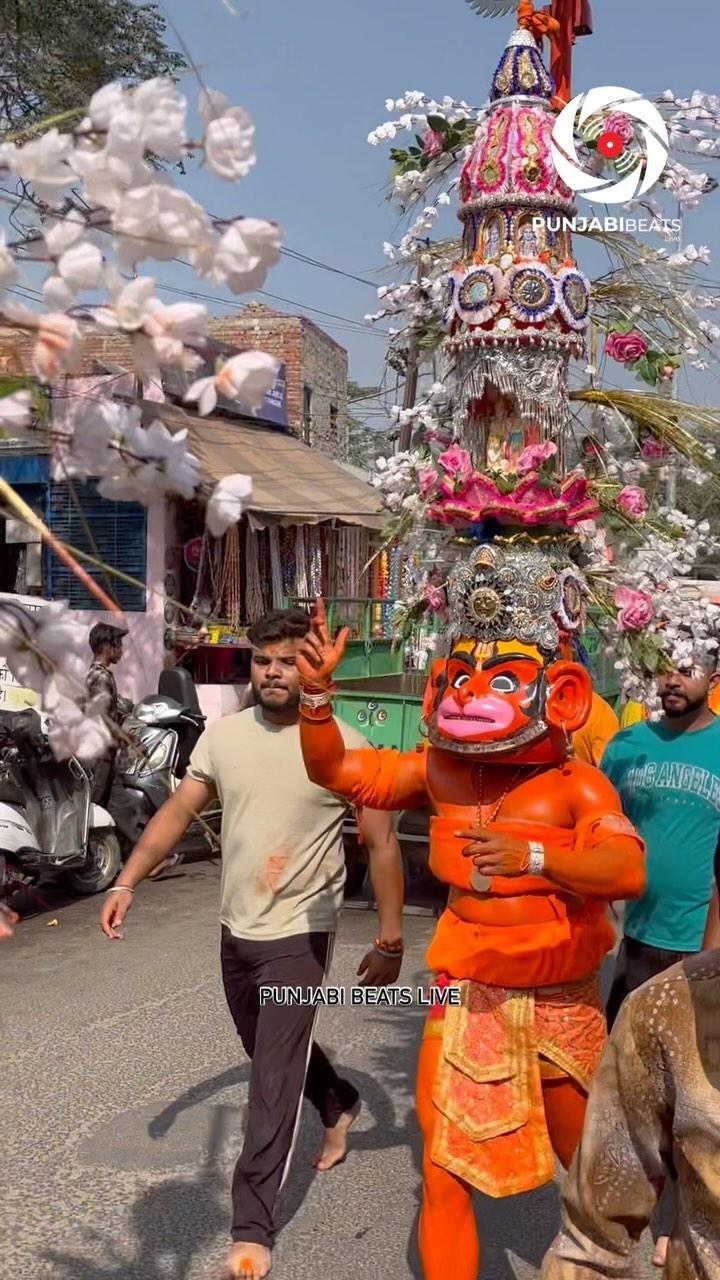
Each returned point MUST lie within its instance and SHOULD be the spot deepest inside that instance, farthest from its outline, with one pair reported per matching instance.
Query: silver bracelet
(120, 888)
(314, 700)
(536, 860)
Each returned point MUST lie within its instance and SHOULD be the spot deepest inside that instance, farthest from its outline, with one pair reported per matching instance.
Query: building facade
(142, 542)
(316, 371)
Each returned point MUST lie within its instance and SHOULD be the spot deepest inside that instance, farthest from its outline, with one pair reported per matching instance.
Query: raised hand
(318, 655)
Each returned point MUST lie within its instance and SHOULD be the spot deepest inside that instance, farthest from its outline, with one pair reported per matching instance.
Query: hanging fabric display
(276, 568)
(253, 589)
(302, 586)
(263, 546)
(231, 593)
(314, 561)
(287, 560)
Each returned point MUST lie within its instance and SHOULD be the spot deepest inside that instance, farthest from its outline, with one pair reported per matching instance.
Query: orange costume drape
(560, 22)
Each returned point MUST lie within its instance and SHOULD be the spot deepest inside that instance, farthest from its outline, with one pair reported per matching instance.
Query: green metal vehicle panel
(386, 709)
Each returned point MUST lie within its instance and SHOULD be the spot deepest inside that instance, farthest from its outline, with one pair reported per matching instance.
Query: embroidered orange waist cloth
(497, 1047)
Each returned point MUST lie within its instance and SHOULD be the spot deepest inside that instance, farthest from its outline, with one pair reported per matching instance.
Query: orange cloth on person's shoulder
(601, 725)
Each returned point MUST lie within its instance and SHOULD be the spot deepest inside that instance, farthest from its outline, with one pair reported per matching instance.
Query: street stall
(308, 530)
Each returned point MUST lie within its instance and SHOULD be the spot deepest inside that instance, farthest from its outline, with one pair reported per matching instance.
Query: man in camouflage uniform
(106, 642)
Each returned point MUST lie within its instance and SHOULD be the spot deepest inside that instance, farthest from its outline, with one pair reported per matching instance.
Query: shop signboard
(13, 697)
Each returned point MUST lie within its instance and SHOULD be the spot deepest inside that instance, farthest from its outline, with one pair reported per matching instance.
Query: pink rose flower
(632, 501)
(427, 479)
(435, 598)
(635, 609)
(534, 455)
(433, 143)
(626, 348)
(653, 450)
(456, 462)
(621, 125)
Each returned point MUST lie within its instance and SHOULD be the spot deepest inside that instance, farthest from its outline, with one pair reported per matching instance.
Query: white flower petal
(228, 144)
(56, 293)
(60, 233)
(227, 503)
(81, 266)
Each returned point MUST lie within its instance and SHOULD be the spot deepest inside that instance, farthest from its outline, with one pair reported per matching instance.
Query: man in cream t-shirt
(287, 870)
(283, 873)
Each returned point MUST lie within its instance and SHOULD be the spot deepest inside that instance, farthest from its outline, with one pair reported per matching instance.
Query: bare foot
(661, 1248)
(334, 1147)
(248, 1262)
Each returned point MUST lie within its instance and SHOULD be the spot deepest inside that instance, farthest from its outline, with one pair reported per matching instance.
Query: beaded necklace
(478, 881)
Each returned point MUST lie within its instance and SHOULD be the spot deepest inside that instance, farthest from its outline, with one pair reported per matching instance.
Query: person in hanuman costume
(532, 843)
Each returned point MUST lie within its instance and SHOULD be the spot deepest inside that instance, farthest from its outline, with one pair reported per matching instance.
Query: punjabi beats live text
(395, 997)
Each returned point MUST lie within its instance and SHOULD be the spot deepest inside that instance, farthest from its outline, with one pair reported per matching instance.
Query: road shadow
(183, 1218)
(173, 1223)
(377, 1102)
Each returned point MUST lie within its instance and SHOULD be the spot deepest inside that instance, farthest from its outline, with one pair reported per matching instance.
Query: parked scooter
(163, 729)
(48, 824)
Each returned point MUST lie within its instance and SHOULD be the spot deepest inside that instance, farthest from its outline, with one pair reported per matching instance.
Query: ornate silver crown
(516, 592)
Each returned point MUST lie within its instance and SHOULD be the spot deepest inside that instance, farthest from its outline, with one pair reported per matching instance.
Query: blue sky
(315, 75)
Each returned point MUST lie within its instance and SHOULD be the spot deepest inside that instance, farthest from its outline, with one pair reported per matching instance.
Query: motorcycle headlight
(157, 758)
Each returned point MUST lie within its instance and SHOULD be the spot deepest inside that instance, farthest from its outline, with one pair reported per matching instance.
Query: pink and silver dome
(517, 282)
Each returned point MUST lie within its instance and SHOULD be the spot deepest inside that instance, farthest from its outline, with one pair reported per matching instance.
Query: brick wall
(312, 359)
(325, 370)
(279, 335)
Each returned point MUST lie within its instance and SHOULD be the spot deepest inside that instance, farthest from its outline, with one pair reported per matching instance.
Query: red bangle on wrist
(389, 948)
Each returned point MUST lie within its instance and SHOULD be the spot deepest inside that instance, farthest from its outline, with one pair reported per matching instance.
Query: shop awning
(292, 484)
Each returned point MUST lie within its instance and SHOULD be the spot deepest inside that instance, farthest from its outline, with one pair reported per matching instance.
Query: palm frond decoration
(493, 8)
(656, 308)
(662, 418)
(625, 248)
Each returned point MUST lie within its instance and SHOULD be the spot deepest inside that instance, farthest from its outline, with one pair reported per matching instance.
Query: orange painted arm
(607, 858)
(372, 778)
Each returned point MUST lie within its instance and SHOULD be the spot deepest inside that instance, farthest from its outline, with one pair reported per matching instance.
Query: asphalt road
(122, 1096)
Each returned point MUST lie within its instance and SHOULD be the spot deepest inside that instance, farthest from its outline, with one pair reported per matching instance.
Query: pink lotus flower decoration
(427, 480)
(534, 455)
(632, 501)
(530, 503)
(635, 609)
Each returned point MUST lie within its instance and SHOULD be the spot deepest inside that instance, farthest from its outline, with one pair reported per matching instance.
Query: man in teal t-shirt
(668, 777)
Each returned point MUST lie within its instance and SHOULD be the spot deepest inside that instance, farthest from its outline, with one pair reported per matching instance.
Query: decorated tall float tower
(531, 843)
(517, 305)
(507, 477)
(502, 502)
